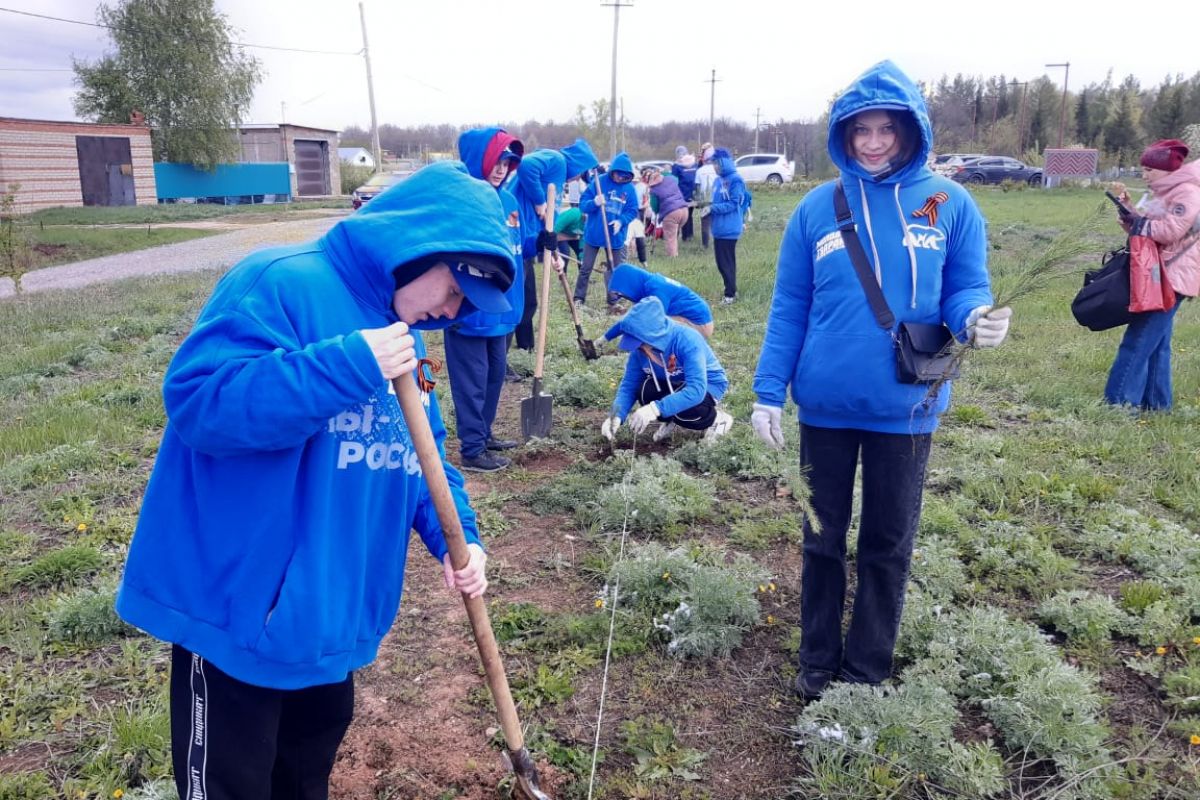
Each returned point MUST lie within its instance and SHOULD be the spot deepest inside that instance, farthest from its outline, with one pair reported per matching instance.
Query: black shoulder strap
(858, 257)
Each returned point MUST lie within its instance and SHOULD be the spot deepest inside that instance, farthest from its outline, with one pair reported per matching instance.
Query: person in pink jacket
(1141, 373)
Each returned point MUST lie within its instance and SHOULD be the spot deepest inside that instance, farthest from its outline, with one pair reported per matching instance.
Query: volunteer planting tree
(177, 63)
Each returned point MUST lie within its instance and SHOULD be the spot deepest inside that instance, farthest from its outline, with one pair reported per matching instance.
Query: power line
(230, 41)
(33, 69)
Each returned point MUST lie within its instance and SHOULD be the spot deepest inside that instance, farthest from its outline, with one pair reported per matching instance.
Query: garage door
(312, 167)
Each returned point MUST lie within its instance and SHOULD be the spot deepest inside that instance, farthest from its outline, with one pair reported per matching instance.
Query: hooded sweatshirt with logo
(274, 529)
(678, 300)
(728, 198)
(476, 148)
(681, 354)
(927, 244)
(620, 204)
(540, 169)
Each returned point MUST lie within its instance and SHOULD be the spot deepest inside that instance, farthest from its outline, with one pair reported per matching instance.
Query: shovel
(537, 410)
(604, 218)
(586, 346)
(481, 626)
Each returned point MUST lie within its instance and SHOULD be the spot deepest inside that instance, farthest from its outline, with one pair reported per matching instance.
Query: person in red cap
(1141, 372)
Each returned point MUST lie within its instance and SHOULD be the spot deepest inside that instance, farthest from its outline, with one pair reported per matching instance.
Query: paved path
(212, 252)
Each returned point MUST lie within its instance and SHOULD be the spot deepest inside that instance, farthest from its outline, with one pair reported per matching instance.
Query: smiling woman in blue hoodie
(271, 545)
(926, 243)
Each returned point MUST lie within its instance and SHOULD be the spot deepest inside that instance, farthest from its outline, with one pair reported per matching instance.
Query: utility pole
(757, 114)
(1021, 116)
(283, 111)
(375, 151)
(617, 5)
(712, 105)
(1062, 123)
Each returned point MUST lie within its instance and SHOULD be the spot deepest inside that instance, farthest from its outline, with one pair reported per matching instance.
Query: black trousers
(893, 479)
(705, 229)
(699, 417)
(234, 741)
(726, 252)
(524, 330)
(687, 231)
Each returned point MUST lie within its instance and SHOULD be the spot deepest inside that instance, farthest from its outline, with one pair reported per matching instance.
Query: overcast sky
(467, 61)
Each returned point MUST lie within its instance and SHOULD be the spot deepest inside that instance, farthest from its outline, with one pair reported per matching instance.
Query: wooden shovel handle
(570, 300)
(544, 310)
(443, 500)
(604, 219)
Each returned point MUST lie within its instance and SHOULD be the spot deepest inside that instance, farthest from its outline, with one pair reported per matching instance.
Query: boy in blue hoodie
(680, 302)
(270, 549)
(671, 373)
(729, 201)
(477, 345)
(618, 197)
(540, 169)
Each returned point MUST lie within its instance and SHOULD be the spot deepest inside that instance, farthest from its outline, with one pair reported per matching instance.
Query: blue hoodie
(472, 146)
(728, 198)
(620, 204)
(821, 337)
(274, 529)
(539, 170)
(677, 299)
(682, 351)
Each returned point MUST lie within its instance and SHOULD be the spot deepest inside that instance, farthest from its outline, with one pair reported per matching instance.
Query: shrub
(572, 489)
(937, 569)
(1085, 618)
(59, 566)
(758, 531)
(86, 618)
(655, 497)
(1137, 596)
(582, 389)
(26, 786)
(739, 454)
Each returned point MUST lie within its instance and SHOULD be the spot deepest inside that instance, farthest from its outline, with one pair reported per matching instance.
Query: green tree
(176, 63)
(1121, 134)
(1167, 114)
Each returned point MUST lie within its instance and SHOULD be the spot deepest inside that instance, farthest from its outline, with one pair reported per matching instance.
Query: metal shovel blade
(537, 413)
(586, 346)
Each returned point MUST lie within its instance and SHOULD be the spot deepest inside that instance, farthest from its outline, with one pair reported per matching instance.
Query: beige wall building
(311, 155)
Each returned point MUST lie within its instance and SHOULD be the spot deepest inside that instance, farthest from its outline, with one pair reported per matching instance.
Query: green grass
(170, 212)
(1035, 487)
(62, 244)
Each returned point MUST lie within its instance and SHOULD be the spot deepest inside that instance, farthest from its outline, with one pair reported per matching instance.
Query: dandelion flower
(81, 527)
(1195, 739)
(118, 793)
(1196, 640)
(599, 602)
(770, 619)
(761, 588)
(1162, 651)
(666, 576)
(771, 586)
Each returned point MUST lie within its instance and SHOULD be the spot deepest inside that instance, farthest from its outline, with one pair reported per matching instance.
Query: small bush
(26, 786)
(1137, 596)
(60, 566)
(572, 489)
(582, 389)
(739, 454)
(657, 752)
(656, 497)
(86, 618)
(1085, 618)
(936, 568)
(760, 531)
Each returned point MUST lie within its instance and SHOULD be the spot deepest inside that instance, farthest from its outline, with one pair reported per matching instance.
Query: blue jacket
(682, 351)
(822, 338)
(686, 175)
(472, 146)
(620, 203)
(274, 529)
(538, 170)
(728, 198)
(677, 299)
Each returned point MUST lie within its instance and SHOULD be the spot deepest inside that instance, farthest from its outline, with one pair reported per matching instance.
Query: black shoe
(501, 444)
(512, 376)
(484, 462)
(811, 685)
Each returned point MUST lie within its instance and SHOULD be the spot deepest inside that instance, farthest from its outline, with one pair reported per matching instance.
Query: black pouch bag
(1103, 302)
(924, 352)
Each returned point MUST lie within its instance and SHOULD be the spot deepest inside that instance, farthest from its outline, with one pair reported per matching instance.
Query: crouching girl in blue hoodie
(270, 549)
(926, 243)
(680, 302)
(671, 373)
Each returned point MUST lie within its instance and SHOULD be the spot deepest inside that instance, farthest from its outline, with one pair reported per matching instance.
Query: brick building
(76, 163)
(311, 155)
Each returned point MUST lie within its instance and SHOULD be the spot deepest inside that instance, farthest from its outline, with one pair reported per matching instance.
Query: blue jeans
(1141, 373)
(893, 476)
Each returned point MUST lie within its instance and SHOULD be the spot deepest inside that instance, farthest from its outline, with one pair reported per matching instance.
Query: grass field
(173, 212)
(64, 244)
(1049, 647)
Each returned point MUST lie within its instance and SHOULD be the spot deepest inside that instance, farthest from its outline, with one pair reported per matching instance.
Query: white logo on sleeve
(924, 237)
(372, 434)
(829, 243)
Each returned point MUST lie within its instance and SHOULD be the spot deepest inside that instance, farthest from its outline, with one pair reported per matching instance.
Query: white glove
(987, 327)
(616, 226)
(640, 419)
(599, 200)
(608, 429)
(767, 422)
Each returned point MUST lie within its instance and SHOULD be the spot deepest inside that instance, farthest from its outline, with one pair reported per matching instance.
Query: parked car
(997, 169)
(948, 163)
(374, 185)
(772, 168)
(657, 163)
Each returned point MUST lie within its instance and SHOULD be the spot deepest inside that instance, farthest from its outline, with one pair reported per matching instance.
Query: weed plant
(656, 497)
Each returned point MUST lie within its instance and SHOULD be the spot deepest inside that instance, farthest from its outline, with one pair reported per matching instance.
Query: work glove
(600, 201)
(987, 326)
(616, 226)
(640, 419)
(608, 428)
(547, 240)
(767, 422)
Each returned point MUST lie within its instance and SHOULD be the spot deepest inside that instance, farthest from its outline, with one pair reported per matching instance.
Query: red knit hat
(1165, 154)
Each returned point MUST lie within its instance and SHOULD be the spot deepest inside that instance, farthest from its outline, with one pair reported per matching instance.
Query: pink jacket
(1174, 214)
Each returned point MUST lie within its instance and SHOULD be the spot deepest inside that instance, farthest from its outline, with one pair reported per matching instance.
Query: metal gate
(105, 170)
(312, 167)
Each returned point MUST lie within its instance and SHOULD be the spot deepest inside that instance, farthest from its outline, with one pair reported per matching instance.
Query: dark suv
(997, 169)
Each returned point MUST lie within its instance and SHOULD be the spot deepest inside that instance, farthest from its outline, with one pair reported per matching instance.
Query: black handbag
(924, 352)
(1103, 302)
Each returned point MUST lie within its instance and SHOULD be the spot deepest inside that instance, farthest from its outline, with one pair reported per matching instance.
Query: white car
(772, 168)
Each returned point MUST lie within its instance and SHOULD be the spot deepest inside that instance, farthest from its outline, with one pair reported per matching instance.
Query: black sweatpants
(725, 251)
(686, 231)
(699, 417)
(234, 741)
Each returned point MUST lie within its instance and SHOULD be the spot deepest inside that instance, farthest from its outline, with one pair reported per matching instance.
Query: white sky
(474, 61)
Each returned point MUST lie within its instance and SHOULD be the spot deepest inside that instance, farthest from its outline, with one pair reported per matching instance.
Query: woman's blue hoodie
(538, 170)
(728, 198)
(682, 353)
(472, 146)
(620, 204)
(274, 529)
(677, 299)
(822, 338)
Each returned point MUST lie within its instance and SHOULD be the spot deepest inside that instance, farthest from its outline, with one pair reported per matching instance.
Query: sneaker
(809, 686)
(720, 426)
(664, 430)
(728, 301)
(579, 303)
(484, 462)
(512, 376)
(501, 444)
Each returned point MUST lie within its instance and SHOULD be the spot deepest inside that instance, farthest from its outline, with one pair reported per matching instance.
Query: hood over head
(441, 213)
(629, 281)
(883, 87)
(645, 323)
(480, 149)
(580, 158)
(621, 163)
(722, 161)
